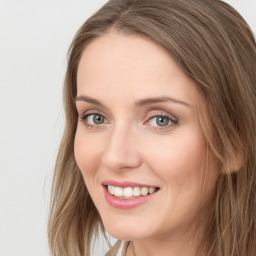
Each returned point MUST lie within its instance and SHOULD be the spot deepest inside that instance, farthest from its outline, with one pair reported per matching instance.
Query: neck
(165, 247)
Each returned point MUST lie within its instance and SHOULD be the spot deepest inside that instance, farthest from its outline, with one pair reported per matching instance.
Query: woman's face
(138, 134)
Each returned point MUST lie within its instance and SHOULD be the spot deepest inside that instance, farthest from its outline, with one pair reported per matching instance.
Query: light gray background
(34, 38)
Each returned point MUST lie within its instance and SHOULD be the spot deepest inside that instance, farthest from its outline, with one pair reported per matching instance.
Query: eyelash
(85, 117)
(172, 120)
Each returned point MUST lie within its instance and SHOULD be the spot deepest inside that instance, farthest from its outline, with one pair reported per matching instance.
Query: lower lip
(123, 203)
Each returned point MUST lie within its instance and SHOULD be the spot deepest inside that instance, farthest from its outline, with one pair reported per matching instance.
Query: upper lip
(124, 184)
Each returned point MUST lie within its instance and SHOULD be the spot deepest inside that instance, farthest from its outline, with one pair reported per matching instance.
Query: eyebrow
(149, 101)
(89, 100)
(138, 103)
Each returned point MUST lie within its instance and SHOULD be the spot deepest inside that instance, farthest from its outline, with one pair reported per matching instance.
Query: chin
(124, 235)
(124, 230)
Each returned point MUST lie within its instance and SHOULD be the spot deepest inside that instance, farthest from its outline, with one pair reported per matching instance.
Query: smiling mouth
(130, 192)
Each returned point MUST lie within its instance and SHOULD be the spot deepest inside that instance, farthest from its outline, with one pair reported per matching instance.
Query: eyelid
(161, 113)
(156, 113)
(93, 111)
(84, 118)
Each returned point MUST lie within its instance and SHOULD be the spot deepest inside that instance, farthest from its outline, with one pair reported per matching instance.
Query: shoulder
(119, 249)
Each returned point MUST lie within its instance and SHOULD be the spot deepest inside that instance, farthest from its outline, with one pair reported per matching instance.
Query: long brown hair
(215, 47)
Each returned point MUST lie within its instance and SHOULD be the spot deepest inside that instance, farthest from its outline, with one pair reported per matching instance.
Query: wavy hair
(215, 47)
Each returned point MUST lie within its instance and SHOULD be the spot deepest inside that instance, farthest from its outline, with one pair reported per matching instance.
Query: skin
(118, 70)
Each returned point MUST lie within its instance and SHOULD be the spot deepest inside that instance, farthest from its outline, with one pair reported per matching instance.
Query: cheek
(87, 153)
(181, 166)
(179, 161)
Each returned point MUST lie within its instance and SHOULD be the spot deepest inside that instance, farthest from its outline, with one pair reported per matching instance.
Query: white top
(119, 249)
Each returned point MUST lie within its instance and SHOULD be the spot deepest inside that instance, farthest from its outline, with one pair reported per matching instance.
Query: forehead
(131, 65)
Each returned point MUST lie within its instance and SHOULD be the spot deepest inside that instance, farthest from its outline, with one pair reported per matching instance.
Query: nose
(121, 151)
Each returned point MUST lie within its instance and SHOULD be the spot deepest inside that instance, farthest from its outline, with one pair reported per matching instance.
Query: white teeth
(119, 192)
(130, 192)
(111, 190)
(136, 191)
(144, 191)
(151, 190)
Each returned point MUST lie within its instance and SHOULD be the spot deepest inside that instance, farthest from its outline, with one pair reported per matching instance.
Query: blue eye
(160, 121)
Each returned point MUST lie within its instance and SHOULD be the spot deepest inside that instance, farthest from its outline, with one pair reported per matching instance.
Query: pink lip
(125, 184)
(123, 203)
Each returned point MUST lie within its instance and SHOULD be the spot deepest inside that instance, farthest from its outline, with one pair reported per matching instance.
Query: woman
(159, 147)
